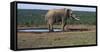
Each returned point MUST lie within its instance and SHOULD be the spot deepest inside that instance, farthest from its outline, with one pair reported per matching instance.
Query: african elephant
(59, 15)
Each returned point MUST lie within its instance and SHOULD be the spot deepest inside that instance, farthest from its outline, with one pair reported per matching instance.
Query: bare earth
(52, 39)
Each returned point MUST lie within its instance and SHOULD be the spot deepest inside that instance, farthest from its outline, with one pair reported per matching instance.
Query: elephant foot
(67, 30)
(51, 30)
(63, 30)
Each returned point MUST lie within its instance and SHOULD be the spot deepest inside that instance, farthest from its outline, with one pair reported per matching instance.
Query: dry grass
(36, 40)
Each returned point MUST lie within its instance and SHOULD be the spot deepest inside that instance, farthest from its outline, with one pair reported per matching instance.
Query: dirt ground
(52, 39)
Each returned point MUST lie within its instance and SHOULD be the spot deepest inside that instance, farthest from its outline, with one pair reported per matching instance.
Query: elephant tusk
(76, 18)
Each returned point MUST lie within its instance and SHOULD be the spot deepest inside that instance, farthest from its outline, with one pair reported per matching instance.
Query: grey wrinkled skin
(59, 15)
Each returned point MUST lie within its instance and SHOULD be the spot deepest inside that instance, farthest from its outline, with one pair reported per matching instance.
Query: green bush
(36, 17)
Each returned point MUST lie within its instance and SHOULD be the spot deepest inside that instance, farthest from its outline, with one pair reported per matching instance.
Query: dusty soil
(80, 28)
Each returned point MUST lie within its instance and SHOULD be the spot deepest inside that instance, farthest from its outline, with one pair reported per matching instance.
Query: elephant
(59, 15)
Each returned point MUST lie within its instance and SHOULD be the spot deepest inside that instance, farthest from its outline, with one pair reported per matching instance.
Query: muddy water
(55, 30)
(37, 30)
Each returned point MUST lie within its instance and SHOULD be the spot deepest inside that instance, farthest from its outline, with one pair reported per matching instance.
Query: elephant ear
(69, 12)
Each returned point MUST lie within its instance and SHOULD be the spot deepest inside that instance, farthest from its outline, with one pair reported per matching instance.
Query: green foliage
(30, 17)
(87, 17)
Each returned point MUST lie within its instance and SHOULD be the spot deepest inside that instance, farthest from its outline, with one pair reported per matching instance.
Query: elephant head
(69, 14)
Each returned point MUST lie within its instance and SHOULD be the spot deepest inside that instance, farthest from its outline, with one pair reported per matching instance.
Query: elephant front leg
(63, 26)
(66, 26)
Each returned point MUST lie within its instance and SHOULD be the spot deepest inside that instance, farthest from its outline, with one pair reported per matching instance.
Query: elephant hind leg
(51, 28)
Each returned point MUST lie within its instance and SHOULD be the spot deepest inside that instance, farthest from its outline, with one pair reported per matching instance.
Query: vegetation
(30, 17)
